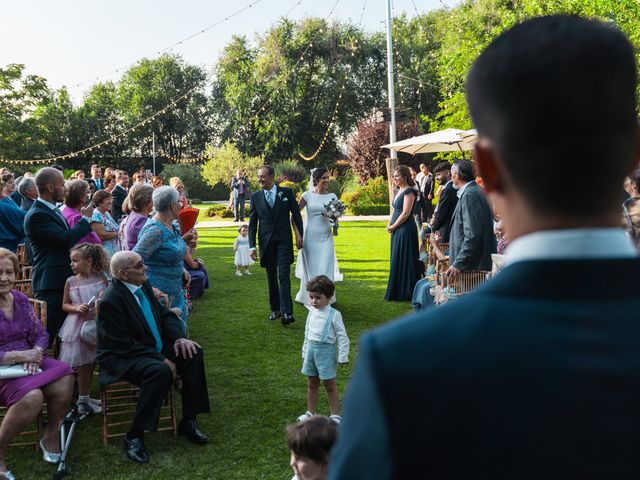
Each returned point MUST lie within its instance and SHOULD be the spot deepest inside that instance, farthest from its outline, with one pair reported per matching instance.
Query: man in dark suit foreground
(49, 239)
(535, 375)
(142, 342)
(272, 208)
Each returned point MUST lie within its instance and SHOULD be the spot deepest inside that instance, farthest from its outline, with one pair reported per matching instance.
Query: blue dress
(162, 250)
(404, 271)
(11, 224)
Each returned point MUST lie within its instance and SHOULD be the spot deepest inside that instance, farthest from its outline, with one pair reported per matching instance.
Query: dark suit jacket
(124, 336)
(273, 223)
(235, 187)
(472, 239)
(118, 194)
(427, 186)
(50, 239)
(535, 375)
(446, 206)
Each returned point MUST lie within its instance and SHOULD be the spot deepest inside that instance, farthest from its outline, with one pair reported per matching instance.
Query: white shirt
(462, 188)
(133, 289)
(569, 244)
(314, 329)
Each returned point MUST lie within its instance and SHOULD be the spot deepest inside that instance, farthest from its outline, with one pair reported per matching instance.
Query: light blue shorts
(320, 360)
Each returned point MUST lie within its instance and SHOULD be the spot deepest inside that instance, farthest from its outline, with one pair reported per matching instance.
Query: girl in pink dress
(89, 263)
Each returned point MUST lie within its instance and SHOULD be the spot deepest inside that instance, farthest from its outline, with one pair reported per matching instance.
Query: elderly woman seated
(163, 249)
(23, 341)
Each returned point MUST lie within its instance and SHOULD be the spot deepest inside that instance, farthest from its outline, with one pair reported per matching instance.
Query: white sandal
(305, 416)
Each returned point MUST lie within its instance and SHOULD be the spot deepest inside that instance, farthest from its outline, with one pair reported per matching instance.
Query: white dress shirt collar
(463, 188)
(52, 206)
(133, 289)
(571, 244)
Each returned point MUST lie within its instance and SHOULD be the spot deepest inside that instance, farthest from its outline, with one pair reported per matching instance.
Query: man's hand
(185, 348)
(88, 210)
(299, 243)
(452, 275)
(172, 366)
(254, 255)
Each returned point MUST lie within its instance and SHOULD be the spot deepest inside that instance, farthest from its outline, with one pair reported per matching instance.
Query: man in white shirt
(534, 375)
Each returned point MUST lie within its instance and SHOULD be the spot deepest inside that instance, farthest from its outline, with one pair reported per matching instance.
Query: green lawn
(253, 369)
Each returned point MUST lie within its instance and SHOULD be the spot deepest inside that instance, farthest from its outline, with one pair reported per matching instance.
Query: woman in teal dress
(403, 271)
(162, 249)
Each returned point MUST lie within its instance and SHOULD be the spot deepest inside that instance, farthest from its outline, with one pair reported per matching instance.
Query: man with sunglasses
(142, 342)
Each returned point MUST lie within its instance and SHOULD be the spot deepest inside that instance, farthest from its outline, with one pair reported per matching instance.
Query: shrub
(291, 171)
(293, 186)
(193, 181)
(334, 187)
(370, 210)
(366, 157)
(219, 210)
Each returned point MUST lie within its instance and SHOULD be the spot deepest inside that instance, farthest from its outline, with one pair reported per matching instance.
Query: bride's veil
(311, 188)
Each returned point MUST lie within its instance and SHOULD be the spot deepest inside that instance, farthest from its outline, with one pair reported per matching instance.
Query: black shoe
(275, 315)
(287, 319)
(135, 450)
(236, 220)
(193, 433)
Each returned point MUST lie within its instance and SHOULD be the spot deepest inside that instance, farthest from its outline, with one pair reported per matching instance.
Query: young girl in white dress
(318, 257)
(81, 292)
(241, 247)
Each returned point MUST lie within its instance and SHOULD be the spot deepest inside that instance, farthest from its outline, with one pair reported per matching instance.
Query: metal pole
(392, 162)
(153, 140)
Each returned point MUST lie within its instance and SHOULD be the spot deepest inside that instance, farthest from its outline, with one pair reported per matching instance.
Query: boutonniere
(280, 195)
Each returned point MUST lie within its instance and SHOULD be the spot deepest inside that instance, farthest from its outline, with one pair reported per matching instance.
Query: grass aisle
(253, 370)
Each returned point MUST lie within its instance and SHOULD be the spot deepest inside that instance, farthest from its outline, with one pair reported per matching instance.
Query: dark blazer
(427, 186)
(274, 223)
(50, 239)
(235, 187)
(472, 239)
(446, 206)
(535, 375)
(124, 336)
(118, 194)
(26, 204)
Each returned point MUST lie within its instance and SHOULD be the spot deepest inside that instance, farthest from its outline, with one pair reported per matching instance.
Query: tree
(223, 163)
(366, 158)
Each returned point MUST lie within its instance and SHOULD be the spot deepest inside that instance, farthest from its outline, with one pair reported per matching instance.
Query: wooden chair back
(470, 281)
(22, 254)
(24, 272)
(24, 286)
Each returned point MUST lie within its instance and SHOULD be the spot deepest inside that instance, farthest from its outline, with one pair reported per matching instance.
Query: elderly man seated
(142, 342)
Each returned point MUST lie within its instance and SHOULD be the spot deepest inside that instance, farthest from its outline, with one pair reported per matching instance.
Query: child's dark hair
(243, 226)
(95, 252)
(322, 285)
(313, 438)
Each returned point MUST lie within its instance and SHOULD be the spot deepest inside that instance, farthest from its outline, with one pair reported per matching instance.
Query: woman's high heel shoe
(52, 458)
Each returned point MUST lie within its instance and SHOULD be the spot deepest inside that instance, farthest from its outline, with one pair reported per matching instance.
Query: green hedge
(369, 210)
(219, 210)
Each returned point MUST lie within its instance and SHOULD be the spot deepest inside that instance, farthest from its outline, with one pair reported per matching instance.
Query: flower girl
(81, 292)
(241, 247)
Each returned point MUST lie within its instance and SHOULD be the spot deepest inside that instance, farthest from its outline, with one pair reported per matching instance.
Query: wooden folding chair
(470, 281)
(24, 273)
(119, 402)
(22, 254)
(24, 286)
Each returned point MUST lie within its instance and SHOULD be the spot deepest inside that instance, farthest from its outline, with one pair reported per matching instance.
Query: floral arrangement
(333, 210)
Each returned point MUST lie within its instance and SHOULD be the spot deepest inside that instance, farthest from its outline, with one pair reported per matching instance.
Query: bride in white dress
(318, 257)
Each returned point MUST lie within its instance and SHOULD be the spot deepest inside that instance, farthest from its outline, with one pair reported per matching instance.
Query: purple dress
(25, 332)
(73, 216)
(135, 222)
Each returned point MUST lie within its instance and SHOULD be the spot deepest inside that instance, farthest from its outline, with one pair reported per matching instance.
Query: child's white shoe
(335, 418)
(238, 273)
(248, 273)
(305, 416)
(88, 408)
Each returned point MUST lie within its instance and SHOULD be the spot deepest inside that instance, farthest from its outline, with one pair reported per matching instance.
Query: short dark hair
(322, 285)
(270, 170)
(466, 170)
(100, 196)
(441, 167)
(313, 438)
(559, 91)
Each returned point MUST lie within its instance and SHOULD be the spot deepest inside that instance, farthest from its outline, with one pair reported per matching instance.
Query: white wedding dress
(318, 257)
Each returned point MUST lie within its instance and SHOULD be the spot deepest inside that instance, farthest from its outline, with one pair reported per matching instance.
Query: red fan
(188, 217)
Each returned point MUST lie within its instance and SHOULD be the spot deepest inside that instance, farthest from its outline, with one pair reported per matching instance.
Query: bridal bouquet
(332, 211)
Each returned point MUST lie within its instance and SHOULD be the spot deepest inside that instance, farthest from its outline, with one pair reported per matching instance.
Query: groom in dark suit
(534, 375)
(269, 218)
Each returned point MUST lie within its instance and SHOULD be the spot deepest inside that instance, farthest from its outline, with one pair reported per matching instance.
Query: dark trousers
(276, 258)
(238, 207)
(154, 379)
(55, 315)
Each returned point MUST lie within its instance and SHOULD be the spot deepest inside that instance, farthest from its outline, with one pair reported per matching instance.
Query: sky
(74, 43)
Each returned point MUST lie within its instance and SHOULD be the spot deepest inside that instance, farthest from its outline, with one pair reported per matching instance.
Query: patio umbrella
(449, 140)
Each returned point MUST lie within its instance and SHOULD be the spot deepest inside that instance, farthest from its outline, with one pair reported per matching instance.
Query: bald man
(142, 342)
(50, 238)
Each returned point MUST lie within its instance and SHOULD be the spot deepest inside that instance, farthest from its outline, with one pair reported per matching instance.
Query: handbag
(14, 371)
(88, 332)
